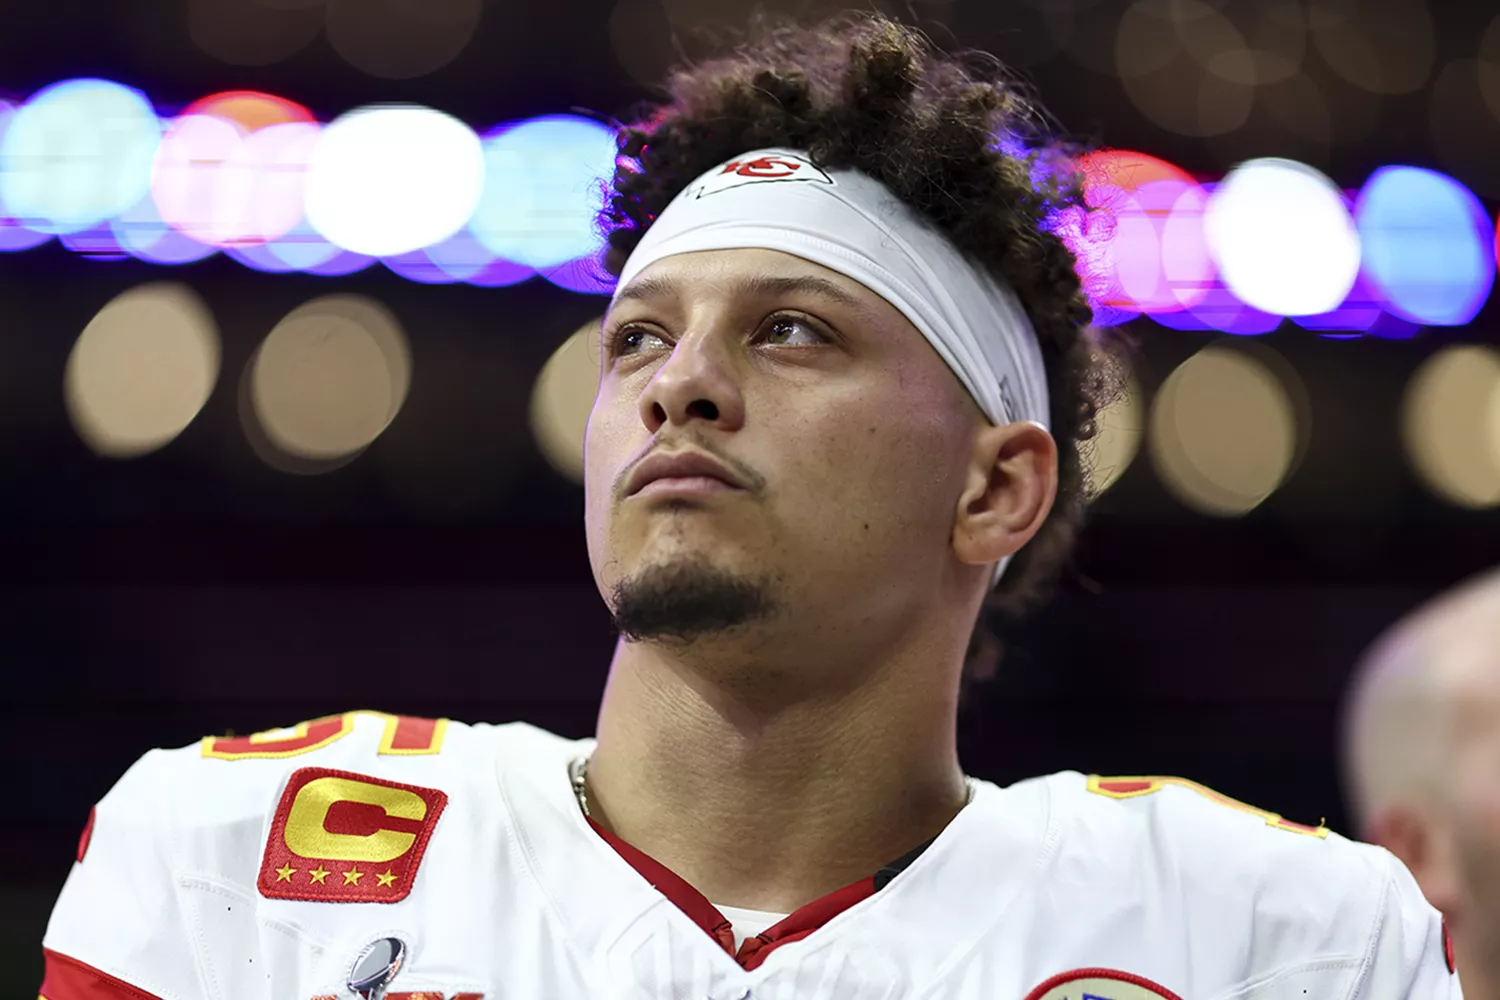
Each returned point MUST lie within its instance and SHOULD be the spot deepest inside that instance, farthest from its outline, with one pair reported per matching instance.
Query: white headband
(848, 222)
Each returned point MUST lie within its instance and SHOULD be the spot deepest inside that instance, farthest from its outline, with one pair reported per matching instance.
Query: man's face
(847, 439)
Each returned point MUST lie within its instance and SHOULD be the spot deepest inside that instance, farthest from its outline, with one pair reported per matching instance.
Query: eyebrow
(657, 287)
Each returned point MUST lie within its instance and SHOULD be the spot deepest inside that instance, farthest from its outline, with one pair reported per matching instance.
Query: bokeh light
(195, 191)
(251, 34)
(1223, 432)
(1161, 254)
(342, 263)
(417, 266)
(460, 256)
(1185, 66)
(258, 257)
(142, 370)
(544, 187)
(1282, 237)
(1429, 246)
(1141, 245)
(585, 275)
(1465, 133)
(401, 39)
(142, 233)
(232, 169)
(302, 249)
(1383, 46)
(499, 273)
(1120, 424)
(96, 243)
(389, 179)
(13, 234)
(1450, 425)
(330, 377)
(77, 153)
(562, 399)
(251, 110)
(1218, 309)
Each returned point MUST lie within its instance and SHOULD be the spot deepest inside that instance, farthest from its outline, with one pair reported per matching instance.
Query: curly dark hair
(951, 135)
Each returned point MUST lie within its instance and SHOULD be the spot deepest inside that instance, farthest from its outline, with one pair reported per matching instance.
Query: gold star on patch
(318, 874)
(352, 876)
(285, 873)
(387, 878)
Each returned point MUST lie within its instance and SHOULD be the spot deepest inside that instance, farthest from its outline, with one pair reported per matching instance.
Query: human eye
(629, 339)
(791, 330)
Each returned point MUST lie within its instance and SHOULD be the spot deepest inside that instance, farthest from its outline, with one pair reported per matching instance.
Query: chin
(688, 597)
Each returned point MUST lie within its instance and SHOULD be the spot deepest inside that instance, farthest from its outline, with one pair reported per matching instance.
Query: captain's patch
(340, 837)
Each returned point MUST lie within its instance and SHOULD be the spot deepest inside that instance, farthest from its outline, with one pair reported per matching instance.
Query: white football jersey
(263, 867)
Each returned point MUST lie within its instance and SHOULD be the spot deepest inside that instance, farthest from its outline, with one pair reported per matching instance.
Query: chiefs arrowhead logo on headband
(760, 169)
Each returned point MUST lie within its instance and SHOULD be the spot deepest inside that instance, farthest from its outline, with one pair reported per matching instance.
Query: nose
(697, 384)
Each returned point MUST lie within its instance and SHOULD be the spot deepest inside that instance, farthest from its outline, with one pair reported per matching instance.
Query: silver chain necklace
(580, 787)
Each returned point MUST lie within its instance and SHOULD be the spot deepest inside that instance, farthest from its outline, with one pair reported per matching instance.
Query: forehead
(751, 273)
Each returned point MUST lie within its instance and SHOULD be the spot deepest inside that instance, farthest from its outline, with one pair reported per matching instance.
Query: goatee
(683, 601)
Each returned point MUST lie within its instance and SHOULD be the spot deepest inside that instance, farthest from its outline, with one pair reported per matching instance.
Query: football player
(844, 384)
(1422, 763)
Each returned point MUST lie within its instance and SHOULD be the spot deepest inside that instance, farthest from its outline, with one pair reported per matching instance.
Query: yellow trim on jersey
(1156, 782)
(299, 731)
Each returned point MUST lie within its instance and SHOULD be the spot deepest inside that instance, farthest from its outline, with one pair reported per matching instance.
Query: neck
(769, 803)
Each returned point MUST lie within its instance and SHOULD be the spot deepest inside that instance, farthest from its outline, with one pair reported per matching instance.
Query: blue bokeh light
(1358, 312)
(258, 256)
(544, 186)
(1222, 310)
(417, 266)
(301, 248)
(96, 243)
(342, 263)
(460, 256)
(1429, 247)
(141, 232)
(499, 274)
(78, 153)
(13, 234)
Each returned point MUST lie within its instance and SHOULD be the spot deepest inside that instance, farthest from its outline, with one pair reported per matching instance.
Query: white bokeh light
(1283, 237)
(391, 179)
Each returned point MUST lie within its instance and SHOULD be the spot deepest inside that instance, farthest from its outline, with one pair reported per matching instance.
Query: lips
(689, 467)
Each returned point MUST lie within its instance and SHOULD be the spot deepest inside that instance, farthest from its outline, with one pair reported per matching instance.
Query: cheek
(889, 460)
(605, 446)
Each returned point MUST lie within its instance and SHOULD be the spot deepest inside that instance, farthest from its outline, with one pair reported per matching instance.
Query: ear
(1411, 835)
(1010, 488)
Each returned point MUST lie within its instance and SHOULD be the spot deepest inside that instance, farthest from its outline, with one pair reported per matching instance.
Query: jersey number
(1130, 787)
(404, 734)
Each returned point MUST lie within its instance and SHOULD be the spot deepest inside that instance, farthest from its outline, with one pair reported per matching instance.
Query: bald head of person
(1422, 763)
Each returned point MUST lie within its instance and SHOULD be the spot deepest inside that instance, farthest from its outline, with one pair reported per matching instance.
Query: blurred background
(295, 298)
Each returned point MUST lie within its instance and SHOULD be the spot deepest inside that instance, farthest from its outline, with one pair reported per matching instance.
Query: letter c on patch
(307, 830)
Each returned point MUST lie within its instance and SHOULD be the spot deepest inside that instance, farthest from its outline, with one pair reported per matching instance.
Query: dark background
(196, 590)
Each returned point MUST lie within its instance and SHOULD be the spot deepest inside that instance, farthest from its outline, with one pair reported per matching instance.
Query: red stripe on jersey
(793, 927)
(69, 979)
(675, 888)
(85, 837)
